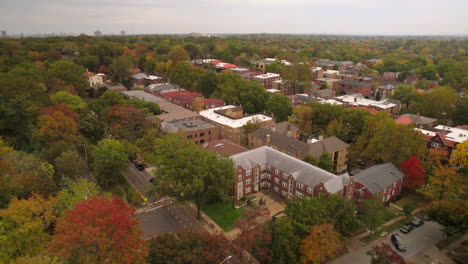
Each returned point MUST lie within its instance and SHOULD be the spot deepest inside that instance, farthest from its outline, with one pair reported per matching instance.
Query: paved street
(416, 241)
(140, 180)
(169, 218)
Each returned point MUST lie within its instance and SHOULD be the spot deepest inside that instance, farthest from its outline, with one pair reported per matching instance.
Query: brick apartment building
(346, 86)
(383, 180)
(193, 129)
(267, 79)
(186, 99)
(268, 168)
(230, 120)
(267, 136)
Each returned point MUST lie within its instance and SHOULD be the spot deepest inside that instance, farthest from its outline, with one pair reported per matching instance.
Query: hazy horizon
(333, 17)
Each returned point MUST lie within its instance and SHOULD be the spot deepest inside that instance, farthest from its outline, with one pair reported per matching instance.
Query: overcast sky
(382, 17)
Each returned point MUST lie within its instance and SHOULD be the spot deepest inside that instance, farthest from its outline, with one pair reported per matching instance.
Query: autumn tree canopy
(99, 230)
(414, 173)
(322, 242)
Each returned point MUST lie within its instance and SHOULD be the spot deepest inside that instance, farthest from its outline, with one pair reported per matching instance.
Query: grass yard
(224, 214)
(391, 213)
(387, 229)
(412, 197)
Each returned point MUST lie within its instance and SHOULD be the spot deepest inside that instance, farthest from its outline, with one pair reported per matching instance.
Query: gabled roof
(300, 148)
(417, 119)
(301, 171)
(224, 146)
(378, 177)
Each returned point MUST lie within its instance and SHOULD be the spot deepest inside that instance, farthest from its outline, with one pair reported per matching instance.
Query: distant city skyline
(335, 17)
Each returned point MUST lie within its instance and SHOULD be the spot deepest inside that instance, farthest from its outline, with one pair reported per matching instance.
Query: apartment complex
(268, 168)
(193, 129)
(299, 149)
(230, 120)
(267, 79)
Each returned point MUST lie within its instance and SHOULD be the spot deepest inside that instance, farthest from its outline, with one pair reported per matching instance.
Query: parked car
(406, 228)
(139, 166)
(398, 242)
(417, 221)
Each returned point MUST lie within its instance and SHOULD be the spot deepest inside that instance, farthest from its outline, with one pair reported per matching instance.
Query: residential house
(193, 129)
(267, 79)
(249, 75)
(289, 177)
(383, 180)
(142, 79)
(325, 93)
(184, 99)
(230, 120)
(418, 120)
(299, 149)
(302, 99)
(383, 92)
(317, 72)
(445, 138)
(96, 79)
(329, 82)
(346, 86)
(389, 76)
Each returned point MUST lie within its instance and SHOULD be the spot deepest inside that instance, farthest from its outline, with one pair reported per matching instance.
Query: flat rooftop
(143, 96)
(231, 122)
(186, 125)
(361, 101)
(267, 75)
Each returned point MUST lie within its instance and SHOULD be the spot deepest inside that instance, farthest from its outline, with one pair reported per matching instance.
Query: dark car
(139, 166)
(406, 228)
(417, 221)
(398, 242)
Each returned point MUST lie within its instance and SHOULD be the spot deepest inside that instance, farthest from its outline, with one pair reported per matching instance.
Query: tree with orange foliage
(103, 69)
(322, 242)
(99, 230)
(58, 127)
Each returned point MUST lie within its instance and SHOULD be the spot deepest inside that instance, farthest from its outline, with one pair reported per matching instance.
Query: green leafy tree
(178, 53)
(207, 83)
(71, 73)
(229, 85)
(339, 129)
(109, 161)
(404, 93)
(121, 67)
(79, 191)
(453, 215)
(101, 105)
(284, 241)
(280, 107)
(326, 162)
(372, 214)
(69, 164)
(40, 259)
(188, 172)
(311, 160)
(253, 98)
(185, 75)
(461, 112)
(74, 102)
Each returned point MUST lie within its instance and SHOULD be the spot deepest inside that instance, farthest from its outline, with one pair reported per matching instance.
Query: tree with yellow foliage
(322, 242)
(460, 154)
(444, 184)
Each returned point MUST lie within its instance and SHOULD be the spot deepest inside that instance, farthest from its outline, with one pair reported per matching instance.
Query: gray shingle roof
(300, 148)
(300, 170)
(379, 177)
(353, 83)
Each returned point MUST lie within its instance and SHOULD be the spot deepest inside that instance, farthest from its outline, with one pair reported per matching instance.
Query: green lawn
(224, 214)
(391, 212)
(416, 198)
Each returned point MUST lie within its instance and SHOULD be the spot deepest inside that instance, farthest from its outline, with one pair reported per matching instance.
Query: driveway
(416, 241)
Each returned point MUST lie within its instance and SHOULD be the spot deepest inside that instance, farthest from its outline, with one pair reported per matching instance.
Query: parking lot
(416, 241)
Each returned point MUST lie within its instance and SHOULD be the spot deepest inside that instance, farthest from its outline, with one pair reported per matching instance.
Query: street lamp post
(228, 257)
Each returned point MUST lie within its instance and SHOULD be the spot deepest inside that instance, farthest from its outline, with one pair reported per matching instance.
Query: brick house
(383, 181)
(193, 129)
(224, 146)
(248, 75)
(230, 120)
(268, 136)
(267, 79)
(289, 177)
(346, 86)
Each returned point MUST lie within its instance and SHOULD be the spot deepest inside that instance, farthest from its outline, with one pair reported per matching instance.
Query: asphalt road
(416, 241)
(169, 218)
(140, 180)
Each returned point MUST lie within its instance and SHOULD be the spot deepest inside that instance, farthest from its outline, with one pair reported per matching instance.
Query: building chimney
(320, 137)
(268, 139)
(355, 99)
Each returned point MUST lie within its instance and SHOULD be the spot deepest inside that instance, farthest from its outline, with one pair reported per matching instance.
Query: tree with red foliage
(414, 173)
(253, 237)
(384, 254)
(99, 230)
(59, 107)
(126, 121)
(103, 69)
